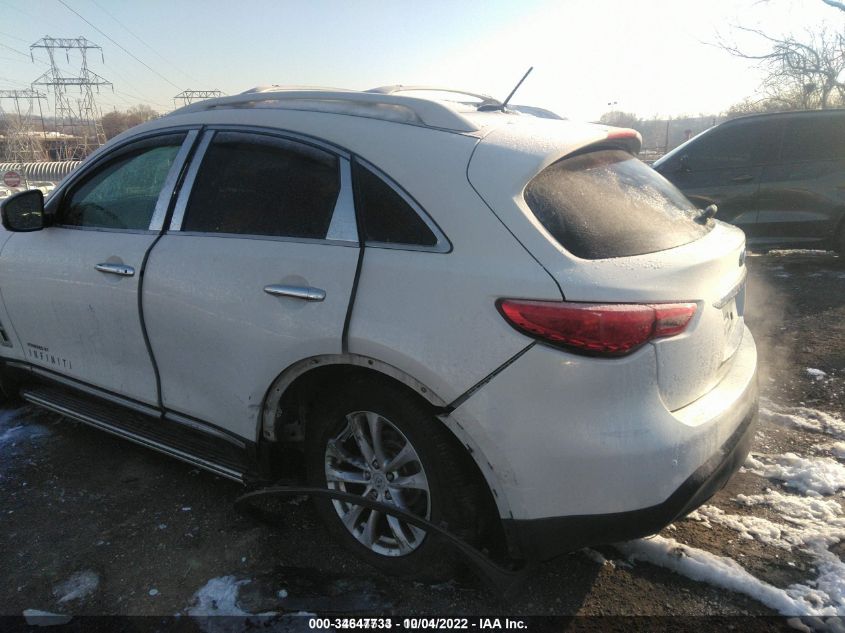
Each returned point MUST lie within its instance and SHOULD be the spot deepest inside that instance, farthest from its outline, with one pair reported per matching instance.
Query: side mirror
(24, 211)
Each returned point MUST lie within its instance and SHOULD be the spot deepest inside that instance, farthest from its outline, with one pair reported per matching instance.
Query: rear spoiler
(624, 137)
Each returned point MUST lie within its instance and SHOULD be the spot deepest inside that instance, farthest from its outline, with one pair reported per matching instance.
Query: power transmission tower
(78, 118)
(187, 97)
(22, 144)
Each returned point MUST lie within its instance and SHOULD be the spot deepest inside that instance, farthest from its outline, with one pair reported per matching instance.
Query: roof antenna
(487, 107)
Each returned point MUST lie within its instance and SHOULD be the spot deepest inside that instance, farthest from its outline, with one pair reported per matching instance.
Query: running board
(192, 447)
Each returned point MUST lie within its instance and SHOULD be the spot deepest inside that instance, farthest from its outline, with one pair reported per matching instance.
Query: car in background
(779, 177)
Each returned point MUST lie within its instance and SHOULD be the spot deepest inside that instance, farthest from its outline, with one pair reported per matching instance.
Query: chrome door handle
(116, 269)
(306, 293)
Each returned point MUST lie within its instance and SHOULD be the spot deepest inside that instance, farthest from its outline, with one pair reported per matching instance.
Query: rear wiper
(706, 214)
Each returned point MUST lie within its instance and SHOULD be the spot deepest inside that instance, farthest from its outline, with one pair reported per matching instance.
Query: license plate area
(733, 322)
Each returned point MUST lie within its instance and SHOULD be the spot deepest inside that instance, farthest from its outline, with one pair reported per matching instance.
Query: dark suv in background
(779, 177)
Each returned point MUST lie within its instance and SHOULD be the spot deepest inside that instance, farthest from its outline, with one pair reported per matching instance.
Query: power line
(120, 46)
(20, 39)
(138, 37)
(14, 50)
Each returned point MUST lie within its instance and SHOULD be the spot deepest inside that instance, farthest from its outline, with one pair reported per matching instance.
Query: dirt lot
(94, 525)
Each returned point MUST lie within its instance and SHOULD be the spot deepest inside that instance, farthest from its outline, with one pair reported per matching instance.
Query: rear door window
(250, 184)
(735, 146)
(606, 203)
(818, 137)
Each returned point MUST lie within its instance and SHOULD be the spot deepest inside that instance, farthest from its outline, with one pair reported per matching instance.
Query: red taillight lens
(605, 329)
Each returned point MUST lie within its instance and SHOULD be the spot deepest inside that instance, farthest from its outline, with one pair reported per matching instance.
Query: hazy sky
(650, 57)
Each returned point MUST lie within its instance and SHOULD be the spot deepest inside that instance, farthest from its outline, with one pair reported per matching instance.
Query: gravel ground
(90, 524)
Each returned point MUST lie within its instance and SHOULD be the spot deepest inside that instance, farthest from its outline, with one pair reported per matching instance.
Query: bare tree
(806, 72)
(116, 122)
(618, 118)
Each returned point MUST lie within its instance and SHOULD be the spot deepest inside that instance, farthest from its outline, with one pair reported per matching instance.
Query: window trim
(442, 245)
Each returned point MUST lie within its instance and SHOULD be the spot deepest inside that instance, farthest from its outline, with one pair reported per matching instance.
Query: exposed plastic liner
(504, 580)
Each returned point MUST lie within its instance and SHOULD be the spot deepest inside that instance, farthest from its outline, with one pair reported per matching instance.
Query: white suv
(506, 325)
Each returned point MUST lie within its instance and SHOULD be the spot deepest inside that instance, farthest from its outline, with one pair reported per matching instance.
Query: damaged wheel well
(286, 420)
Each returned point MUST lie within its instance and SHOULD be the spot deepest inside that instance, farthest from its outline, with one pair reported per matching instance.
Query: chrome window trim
(443, 244)
(267, 238)
(188, 184)
(344, 225)
(169, 186)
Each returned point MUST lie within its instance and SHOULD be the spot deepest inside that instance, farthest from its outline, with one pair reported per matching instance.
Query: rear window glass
(607, 203)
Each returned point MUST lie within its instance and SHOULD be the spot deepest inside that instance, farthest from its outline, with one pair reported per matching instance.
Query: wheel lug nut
(387, 495)
(389, 476)
(375, 464)
(367, 474)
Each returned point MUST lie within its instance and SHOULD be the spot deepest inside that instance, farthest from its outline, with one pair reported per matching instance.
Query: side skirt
(217, 455)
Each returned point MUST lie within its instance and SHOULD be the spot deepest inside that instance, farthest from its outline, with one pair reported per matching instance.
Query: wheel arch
(307, 369)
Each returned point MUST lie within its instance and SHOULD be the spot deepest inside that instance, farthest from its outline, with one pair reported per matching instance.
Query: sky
(589, 56)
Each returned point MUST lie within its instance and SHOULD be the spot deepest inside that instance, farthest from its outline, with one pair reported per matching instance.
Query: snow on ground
(814, 476)
(803, 418)
(80, 585)
(726, 573)
(219, 596)
(816, 374)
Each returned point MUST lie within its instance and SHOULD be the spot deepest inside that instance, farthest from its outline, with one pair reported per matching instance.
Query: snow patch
(810, 476)
(838, 449)
(219, 596)
(80, 585)
(803, 418)
(816, 374)
(719, 571)
(595, 556)
(12, 432)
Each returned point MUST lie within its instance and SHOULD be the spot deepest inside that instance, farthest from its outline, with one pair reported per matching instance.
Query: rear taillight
(602, 329)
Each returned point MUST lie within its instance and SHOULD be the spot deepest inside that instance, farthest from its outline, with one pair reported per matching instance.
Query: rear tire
(378, 441)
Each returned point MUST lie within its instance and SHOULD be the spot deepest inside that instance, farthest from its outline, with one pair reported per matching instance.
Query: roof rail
(389, 90)
(375, 105)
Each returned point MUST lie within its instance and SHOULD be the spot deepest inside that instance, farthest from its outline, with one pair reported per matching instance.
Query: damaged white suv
(504, 325)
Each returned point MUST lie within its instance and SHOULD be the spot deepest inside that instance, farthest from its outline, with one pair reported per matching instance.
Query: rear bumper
(581, 451)
(541, 539)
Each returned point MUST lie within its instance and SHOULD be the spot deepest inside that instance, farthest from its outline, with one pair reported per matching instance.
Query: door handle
(116, 269)
(747, 178)
(306, 293)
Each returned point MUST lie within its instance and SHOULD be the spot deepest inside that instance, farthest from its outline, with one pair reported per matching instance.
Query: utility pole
(22, 145)
(187, 97)
(78, 118)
